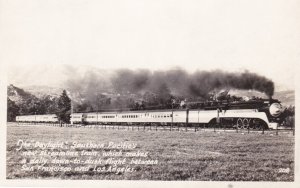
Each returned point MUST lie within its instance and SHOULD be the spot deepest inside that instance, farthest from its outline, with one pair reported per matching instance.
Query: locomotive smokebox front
(276, 109)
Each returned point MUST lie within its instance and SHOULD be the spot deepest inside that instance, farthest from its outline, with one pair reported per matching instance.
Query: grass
(203, 156)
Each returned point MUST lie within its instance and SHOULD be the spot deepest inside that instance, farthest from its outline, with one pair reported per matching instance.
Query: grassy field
(203, 156)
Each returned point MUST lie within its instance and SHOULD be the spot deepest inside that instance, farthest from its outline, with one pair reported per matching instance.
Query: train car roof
(137, 111)
(37, 115)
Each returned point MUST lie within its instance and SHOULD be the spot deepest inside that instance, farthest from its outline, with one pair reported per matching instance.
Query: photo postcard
(149, 93)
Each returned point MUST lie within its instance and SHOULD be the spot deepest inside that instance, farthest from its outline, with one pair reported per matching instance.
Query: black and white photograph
(182, 93)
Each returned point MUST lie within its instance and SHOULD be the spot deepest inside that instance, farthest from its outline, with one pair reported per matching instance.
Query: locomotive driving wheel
(251, 123)
(245, 123)
(257, 124)
(239, 123)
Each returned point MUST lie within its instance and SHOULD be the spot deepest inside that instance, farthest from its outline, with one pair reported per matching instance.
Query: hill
(287, 98)
(22, 102)
(18, 95)
(42, 91)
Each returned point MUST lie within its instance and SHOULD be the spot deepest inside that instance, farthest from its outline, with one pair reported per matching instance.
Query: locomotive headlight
(276, 109)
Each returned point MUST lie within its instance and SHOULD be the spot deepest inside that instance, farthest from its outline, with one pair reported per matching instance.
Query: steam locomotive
(262, 114)
(253, 114)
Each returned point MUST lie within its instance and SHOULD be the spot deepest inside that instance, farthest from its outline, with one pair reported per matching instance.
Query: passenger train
(266, 115)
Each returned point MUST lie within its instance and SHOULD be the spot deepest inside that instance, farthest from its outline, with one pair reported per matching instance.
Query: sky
(261, 36)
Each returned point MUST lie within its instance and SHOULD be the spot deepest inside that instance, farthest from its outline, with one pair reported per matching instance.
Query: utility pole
(172, 119)
(71, 111)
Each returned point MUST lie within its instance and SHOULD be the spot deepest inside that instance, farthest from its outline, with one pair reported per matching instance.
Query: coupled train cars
(263, 115)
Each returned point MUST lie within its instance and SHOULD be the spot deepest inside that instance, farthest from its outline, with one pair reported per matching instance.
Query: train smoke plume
(176, 82)
(200, 83)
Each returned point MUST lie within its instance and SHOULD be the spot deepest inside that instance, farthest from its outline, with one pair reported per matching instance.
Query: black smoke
(197, 84)
(174, 82)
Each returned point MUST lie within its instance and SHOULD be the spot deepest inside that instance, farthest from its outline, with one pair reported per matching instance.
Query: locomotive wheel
(258, 127)
(239, 123)
(257, 124)
(251, 123)
(245, 123)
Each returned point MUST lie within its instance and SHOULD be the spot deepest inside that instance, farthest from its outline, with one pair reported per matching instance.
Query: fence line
(160, 127)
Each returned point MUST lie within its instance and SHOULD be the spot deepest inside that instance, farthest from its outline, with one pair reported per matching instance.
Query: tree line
(61, 106)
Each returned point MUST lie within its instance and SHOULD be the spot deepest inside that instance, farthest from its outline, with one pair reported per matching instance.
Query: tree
(12, 110)
(64, 108)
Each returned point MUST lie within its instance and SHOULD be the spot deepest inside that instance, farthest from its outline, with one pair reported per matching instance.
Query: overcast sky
(261, 36)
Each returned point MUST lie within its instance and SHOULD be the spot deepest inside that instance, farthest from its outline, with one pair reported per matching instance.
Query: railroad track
(163, 128)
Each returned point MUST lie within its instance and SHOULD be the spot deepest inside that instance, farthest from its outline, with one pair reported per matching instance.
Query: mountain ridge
(19, 95)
